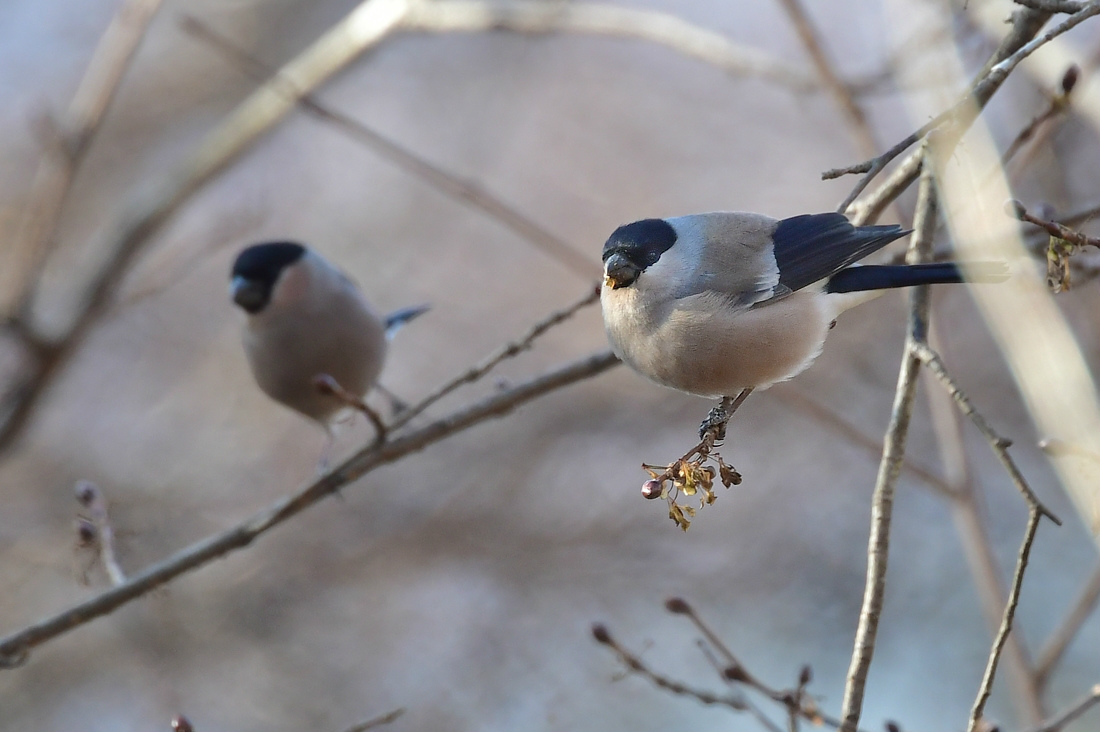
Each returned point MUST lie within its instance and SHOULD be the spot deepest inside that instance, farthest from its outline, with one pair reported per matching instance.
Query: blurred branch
(805, 404)
(1058, 106)
(893, 453)
(464, 191)
(841, 93)
(154, 204)
(15, 648)
(1025, 24)
(1076, 710)
(378, 721)
(34, 238)
(536, 16)
(1052, 6)
(1060, 639)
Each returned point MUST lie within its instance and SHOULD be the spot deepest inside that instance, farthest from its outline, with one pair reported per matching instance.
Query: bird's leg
(719, 416)
(328, 385)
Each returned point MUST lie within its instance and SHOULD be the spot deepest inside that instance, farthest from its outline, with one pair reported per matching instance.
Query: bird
(313, 342)
(714, 304)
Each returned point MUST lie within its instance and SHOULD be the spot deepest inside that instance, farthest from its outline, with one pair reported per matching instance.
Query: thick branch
(15, 648)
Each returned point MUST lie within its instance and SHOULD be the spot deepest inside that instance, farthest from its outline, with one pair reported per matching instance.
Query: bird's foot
(715, 423)
(330, 386)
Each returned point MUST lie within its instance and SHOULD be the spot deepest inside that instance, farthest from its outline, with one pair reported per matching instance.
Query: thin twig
(15, 648)
(893, 453)
(508, 350)
(377, 721)
(92, 498)
(35, 236)
(734, 670)
(978, 547)
(464, 191)
(738, 702)
(1075, 710)
(1025, 24)
(635, 664)
(1000, 444)
(1035, 515)
(1067, 630)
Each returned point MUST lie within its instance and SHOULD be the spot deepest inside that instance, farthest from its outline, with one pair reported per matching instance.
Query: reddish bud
(601, 634)
(678, 606)
(1069, 79)
(651, 489)
(86, 492)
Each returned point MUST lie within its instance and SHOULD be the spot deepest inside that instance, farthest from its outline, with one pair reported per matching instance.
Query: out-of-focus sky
(461, 583)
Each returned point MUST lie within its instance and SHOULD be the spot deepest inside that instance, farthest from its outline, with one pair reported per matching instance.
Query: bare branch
(893, 453)
(377, 721)
(1035, 515)
(34, 239)
(1064, 634)
(509, 350)
(1055, 229)
(16, 647)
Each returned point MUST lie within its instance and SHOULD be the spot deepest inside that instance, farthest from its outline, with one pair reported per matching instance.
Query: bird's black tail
(398, 318)
(881, 277)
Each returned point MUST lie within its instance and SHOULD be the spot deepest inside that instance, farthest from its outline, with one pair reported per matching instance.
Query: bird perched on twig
(313, 342)
(715, 304)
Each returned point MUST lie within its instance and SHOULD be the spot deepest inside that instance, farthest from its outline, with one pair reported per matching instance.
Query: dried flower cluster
(689, 476)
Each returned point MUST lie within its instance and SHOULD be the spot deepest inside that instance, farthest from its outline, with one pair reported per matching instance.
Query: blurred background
(461, 583)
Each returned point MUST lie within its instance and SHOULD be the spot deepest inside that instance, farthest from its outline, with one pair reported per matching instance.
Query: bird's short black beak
(619, 271)
(249, 294)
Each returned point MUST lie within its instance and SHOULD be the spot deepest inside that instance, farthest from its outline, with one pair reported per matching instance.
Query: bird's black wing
(811, 247)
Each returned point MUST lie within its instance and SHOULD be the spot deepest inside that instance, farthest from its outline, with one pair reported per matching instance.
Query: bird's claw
(715, 424)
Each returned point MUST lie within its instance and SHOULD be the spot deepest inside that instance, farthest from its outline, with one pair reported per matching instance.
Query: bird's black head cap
(633, 248)
(256, 270)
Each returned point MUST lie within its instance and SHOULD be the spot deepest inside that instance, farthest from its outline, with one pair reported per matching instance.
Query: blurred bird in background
(313, 342)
